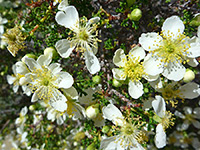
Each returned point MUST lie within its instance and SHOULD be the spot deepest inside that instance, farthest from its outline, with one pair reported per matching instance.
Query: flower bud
(189, 76)
(49, 50)
(92, 111)
(105, 129)
(135, 15)
(28, 56)
(116, 83)
(31, 107)
(96, 79)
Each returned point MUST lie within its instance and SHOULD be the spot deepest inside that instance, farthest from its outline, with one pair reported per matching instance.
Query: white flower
(191, 116)
(83, 38)
(20, 70)
(169, 50)
(131, 69)
(22, 117)
(172, 92)
(45, 79)
(2, 22)
(129, 134)
(164, 119)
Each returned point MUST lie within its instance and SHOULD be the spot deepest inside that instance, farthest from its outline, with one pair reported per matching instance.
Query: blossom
(131, 69)
(165, 120)
(172, 92)
(15, 40)
(83, 38)
(169, 50)
(129, 133)
(22, 118)
(191, 116)
(45, 79)
(20, 70)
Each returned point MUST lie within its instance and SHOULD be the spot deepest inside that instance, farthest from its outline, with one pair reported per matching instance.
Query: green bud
(28, 56)
(31, 107)
(130, 2)
(96, 79)
(135, 15)
(92, 112)
(105, 129)
(91, 147)
(50, 50)
(116, 83)
(189, 76)
(146, 90)
(196, 20)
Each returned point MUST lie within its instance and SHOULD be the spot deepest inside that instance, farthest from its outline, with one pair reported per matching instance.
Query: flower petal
(193, 51)
(63, 4)
(71, 92)
(92, 63)
(44, 60)
(11, 79)
(93, 20)
(150, 41)
(152, 65)
(160, 137)
(190, 90)
(135, 89)
(159, 106)
(137, 52)
(118, 74)
(64, 80)
(32, 64)
(173, 25)
(174, 71)
(69, 18)
(108, 143)
(55, 68)
(119, 58)
(112, 113)
(193, 62)
(64, 48)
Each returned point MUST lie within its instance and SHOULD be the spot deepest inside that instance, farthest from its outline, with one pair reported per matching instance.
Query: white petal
(159, 106)
(112, 113)
(15, 88)
(63, 4)
(92, 63)
(44, 60)
(59, 120)
(119, 58)
(198, 32)
(137, 52)
(64, 80)
(193, 62)
(160, 137)
(1, 29)
(187, 110)
(35, 97)
(24, 111)
(71, 92)
(58, 101)
(190, 90)
(64, 48)
(197, 112)
(196, 124)
(135, 89)
(78, 111)
(157, 84)
(152, 65)
(137, 145)
(11, 79)
(108, 143)
(32, 64)
(69, 18)
(55, 68)
(87, 99)
(174, 71)
(118, 74)
(21, 68)
(179, 114)
(173, 25)
(150, 41)
(194, 50)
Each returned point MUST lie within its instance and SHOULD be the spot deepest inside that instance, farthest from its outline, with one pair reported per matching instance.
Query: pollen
(167, 120)
(45, 80)
(133, 68)
(172, 50)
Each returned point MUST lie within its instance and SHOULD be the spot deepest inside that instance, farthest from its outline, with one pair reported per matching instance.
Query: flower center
(128, 129)
(167, 120)
(43, 79)
(172, 50)
(133, 68)
(83, 35)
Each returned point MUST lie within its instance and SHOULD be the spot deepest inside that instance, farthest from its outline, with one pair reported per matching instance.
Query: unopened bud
(28, 56)
(116, 83)
(31, 107)
(135, 15)
(96, 79)
(92, 112)
(105, 129)
(49, 50)
(189, 76)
